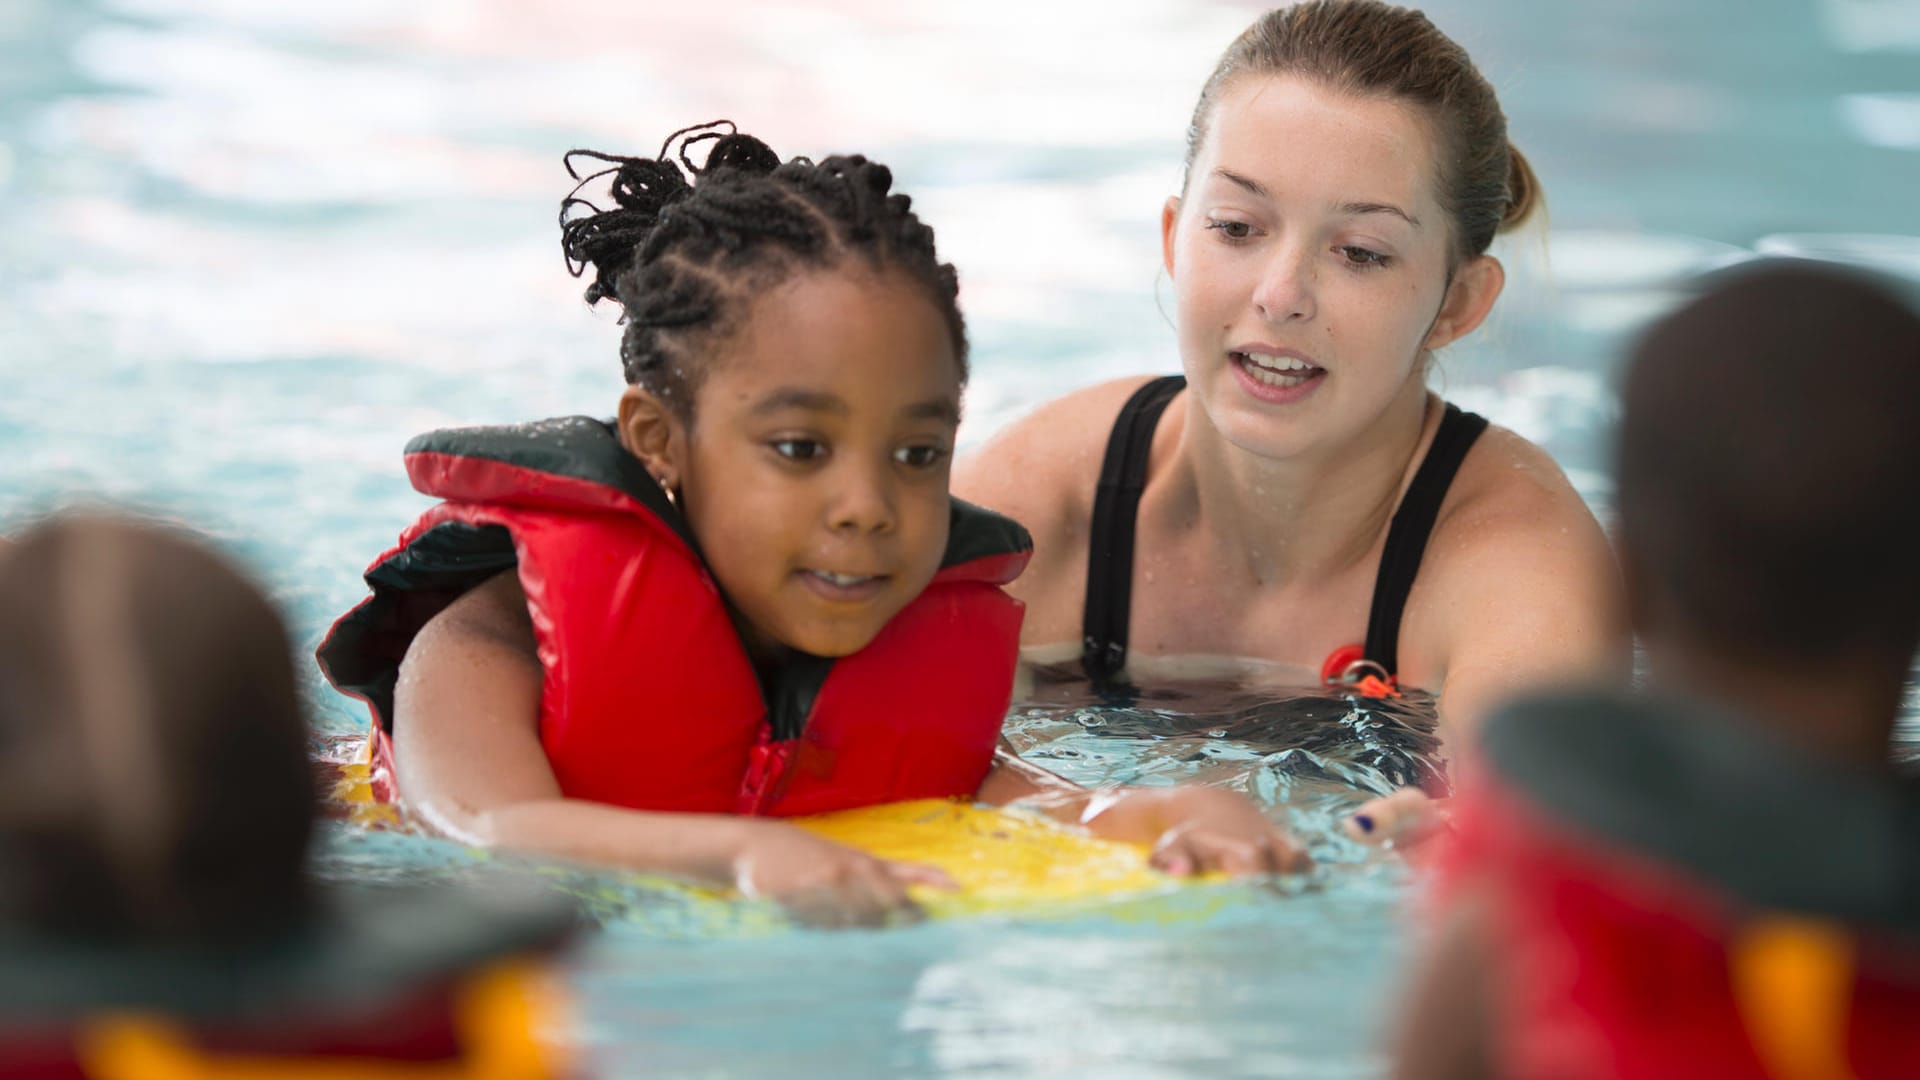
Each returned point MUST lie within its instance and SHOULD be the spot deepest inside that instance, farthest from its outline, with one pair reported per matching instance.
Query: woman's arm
(1518, 591)
(470, 765)
(1529, 611)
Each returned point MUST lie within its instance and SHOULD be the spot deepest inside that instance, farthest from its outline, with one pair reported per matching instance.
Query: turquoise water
(246, 250)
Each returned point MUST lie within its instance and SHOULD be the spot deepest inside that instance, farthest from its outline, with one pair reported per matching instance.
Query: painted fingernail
(1365, 821)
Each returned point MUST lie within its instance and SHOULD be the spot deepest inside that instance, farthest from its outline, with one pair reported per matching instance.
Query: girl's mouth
(844, 588)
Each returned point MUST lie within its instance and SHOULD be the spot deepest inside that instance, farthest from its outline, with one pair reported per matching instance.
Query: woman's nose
(1285, 289)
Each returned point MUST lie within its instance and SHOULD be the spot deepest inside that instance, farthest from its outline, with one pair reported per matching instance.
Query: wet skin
(1310, 261)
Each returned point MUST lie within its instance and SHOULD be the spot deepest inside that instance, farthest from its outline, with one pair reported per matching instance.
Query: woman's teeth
(1276, 370)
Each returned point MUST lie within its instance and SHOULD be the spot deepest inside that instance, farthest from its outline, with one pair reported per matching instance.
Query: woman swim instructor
(1299, 490)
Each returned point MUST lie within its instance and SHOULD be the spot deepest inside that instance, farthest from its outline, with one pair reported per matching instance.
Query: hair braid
(687, 246)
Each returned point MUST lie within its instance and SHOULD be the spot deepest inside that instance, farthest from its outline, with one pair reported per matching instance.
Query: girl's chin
(835, 639)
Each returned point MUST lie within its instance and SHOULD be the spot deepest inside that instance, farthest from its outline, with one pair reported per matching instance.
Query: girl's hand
(827, 884)
(1198, 830)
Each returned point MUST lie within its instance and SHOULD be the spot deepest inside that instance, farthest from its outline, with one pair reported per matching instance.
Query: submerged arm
(1191, 829)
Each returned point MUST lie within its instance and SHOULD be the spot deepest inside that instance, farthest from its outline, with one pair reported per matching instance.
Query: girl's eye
(798, 449)
(1232, 230)
(920, 457)
(1363, 258)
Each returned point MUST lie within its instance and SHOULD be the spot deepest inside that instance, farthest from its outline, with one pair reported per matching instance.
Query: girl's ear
(651, 432)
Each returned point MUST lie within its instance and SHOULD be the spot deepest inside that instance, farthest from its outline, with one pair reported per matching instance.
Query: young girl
(1717, 877)
(156, 808)
(751, 595)
(1299, 496)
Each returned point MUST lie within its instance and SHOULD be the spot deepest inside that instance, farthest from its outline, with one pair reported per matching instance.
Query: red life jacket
(649, 700)
(385, 982)
(1673, 895)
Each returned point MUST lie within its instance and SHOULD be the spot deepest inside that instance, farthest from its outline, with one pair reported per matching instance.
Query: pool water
(246, 250)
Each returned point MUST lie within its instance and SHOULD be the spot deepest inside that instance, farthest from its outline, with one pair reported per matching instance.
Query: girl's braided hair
(687, 247)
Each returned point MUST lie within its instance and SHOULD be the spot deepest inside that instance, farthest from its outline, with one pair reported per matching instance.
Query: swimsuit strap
(1407, 536)
(1116, 504)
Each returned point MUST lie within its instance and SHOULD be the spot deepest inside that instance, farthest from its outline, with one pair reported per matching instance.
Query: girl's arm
(1192, 829)
(471, 766)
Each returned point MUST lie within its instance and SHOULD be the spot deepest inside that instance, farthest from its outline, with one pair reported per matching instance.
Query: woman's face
(1309, 257)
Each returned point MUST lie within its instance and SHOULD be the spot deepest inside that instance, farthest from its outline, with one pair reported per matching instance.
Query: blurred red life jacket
(1672, 894)
(436, 982)
(649, 700)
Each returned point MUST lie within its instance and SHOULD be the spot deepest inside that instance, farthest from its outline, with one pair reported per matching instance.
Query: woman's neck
(1308, 516)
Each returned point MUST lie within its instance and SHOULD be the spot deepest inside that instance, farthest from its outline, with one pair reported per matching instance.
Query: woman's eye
(1232, 230)
(920, 457)
(798, 449)
(1363, 257)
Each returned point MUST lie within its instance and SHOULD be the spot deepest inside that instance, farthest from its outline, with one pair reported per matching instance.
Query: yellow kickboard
(1001, 859)
(1004, 860)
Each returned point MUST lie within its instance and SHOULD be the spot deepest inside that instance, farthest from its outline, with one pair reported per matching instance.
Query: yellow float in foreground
(1006, 861)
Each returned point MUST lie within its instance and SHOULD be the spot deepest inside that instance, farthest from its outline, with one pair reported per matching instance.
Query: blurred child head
(1769, 473)
(795, 359)
(153, 774)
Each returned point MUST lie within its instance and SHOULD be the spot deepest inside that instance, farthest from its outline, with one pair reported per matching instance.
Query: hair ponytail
(688, 244)
(1523, 191)
(642, 189)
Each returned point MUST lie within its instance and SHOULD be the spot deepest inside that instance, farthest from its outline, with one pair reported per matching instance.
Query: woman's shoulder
(1518, 581)
(1042, 468)
(1506, 480)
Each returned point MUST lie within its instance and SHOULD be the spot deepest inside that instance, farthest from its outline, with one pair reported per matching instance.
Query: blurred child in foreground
(156, 809)
(1719, 878)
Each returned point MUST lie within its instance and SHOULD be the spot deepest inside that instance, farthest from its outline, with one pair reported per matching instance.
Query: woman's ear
(1476, 285)
(653, 433)
(1169, 220)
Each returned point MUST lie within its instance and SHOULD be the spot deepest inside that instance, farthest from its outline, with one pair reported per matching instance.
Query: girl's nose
(862, 501)
(1285, 289)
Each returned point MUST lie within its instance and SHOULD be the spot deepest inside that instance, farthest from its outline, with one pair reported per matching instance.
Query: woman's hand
(1404, 818)
(823, 883)
(1196, 830)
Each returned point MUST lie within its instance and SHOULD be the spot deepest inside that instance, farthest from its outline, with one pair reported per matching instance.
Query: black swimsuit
(1116, 504)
